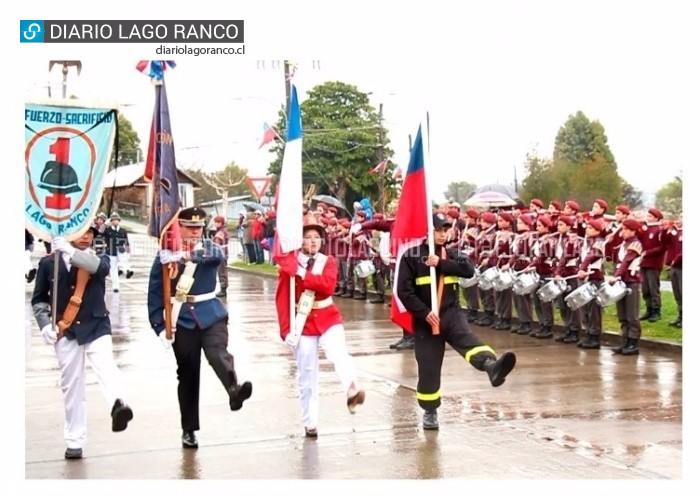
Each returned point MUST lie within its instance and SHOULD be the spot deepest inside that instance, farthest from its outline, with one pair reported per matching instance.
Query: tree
(221, 184)
(631, 197)
(343, 141)
(583, 166)
(670, 197)
(539, 181)
(460, 191)
(128, 142)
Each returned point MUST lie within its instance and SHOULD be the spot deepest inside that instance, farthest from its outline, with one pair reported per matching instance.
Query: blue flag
(161, 170)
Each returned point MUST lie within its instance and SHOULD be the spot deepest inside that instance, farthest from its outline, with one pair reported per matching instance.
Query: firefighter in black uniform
(414, 292)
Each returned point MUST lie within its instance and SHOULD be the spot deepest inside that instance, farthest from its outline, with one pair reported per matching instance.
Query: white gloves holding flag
(292, 340)
(168, 256)
(60, 243)
(50, 332)
(355, 228)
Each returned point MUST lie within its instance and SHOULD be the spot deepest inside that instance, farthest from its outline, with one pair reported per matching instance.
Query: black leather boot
(591, 342)
(503, 325)
(545, 333)
(623, 344)
(121, 414)
(525, 329)
(360, 296)
(238, 393)
(655, 315)
(571, 337)
(631, 348)
(472, 315)
(430, 420)
(408, 344)
(377, 299)
(486, 320)
(499, 369)
(189, 440)
(646, 314)
(347, 294)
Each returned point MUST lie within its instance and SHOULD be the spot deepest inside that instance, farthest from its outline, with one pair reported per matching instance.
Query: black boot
(238, 393)
(571, 337)
(222, 293)
(486, 320)
(472, 315)
(544, 333)
(408, 344)
(430, 420)
(535, 330)
(360, 296)
(31, 275)
(678, 323)
(592, 342)
(503, 325)
(393, 346)
(121, 414)
(646, 314)
(347, 293)
(619, 348)
(377, 299)
(499, 369)
(631, 348)
(189, 440)
(339, 292)
(655, 315)
(525, 329)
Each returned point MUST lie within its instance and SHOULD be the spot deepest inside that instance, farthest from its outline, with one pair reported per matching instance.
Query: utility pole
(380, 157)
(288, 69)
(66, 64)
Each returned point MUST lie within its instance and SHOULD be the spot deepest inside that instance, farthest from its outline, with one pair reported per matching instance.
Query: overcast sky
(498, 81)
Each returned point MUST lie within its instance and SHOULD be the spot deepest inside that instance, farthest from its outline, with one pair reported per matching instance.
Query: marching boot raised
(497, 370)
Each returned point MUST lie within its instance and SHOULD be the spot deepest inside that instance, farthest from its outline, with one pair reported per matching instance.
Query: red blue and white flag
(154, 68)
(380, 167)
(269, 135)
(410, 225)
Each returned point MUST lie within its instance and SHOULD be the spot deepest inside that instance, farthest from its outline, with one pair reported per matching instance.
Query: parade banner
(68, 146)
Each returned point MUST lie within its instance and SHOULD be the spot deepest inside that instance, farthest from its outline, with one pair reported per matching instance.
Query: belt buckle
(181, 297)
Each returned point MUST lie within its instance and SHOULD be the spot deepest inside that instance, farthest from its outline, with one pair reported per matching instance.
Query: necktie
(310, 263)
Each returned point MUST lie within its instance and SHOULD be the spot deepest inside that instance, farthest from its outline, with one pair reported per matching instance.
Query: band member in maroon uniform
(627, 271)
(674, 260)
(485, 242)
(591, 270)
(653, 241)
(543, 262)
(524, 244)
(568, 253)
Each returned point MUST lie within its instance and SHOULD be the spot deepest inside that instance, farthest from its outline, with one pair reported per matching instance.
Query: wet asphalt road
(564, 413)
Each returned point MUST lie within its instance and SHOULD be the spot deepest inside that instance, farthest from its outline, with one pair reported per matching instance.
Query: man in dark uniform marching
(199, 317)
(451, 325)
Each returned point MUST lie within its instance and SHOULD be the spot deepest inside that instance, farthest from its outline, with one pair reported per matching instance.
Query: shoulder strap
(71, 311)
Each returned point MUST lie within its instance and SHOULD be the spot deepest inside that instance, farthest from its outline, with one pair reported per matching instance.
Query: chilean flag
(288, 236)
(154, 68)
(269, 135)
(411, 224)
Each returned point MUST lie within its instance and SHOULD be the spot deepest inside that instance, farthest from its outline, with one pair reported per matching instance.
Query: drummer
(591, 270)
(500, 258)
(543, 263)
(484, 247)
(523, 244)
(628, 271)
(567, 252)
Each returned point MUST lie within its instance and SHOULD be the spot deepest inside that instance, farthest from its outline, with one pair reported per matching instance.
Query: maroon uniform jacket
(654, 246)
(630, 253)
(568, 254)
(674, 244)
(593, 254)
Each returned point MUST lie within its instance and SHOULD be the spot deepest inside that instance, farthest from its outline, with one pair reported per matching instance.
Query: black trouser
(651, 288)
(592, 313)
(383, 276)
(222, 271)
(351, 285)
(504, 304)
(487, 300)
(628, 313)
(471, 295)
(188, 346)
(571, 318)
(677, 286)
(430, 351)
(544, 310)
(523, 305)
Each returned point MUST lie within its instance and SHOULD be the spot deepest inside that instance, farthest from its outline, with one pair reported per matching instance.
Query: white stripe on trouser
(71, 359)
(116, 262)
(333, 344)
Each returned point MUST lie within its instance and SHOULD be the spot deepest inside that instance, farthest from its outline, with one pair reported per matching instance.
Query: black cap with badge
(440, 220)
(192, 217)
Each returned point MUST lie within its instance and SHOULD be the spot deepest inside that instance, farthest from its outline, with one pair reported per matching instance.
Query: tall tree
(539, 181)
(670, 197)
(343, 140)
(460, 191)
(632, 197)
(221, 184)
(128, 142)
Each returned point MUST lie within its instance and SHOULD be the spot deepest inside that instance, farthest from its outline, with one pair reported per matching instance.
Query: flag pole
(429, 212)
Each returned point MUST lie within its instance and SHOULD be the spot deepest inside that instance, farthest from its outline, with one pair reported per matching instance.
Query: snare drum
(580, 296)
(526, 283)
(365, 268)
(551, 290)
(487, 277)
(504, 280)
(468, 283)
(611, 293)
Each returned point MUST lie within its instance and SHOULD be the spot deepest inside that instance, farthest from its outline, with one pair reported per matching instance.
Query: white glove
(49, 333)
(355, 228)
(291, 340)
(62, 244)
(167, 343)
(167, 256)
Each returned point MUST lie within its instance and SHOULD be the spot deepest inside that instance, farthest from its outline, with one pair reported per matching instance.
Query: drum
(504, 280)
(525, 283)
(487, 277)
(580, 296)
(611, 293)
(468, 283)
(551, 290)
(365, 268)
